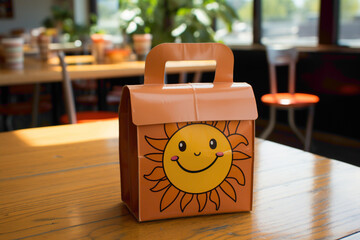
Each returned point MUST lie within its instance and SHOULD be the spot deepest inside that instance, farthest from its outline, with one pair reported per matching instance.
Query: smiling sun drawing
(196, 162)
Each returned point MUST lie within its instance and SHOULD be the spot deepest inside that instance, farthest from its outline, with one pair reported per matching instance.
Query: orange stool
(80, 117)
(280, 56)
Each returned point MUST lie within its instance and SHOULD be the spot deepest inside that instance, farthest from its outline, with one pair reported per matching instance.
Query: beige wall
(27, 14)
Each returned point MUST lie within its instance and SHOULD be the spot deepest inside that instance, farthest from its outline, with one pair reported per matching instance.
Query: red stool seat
(84, 117)
(296, 100)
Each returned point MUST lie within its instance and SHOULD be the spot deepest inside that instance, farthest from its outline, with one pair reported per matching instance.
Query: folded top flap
(162, 53)
(158, 104)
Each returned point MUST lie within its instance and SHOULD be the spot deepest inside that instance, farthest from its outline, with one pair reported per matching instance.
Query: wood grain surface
(36, 71)
(63, 183)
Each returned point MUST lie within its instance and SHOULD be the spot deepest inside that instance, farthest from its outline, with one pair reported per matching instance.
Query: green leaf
(202, 16)
(189, 20)
(179, 30)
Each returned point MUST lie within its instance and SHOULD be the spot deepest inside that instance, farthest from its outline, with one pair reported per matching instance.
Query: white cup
(142, 45)
(44, 42)
(13, 53)
(98, 47)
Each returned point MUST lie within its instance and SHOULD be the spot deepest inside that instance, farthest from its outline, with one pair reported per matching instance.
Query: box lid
(157, 104)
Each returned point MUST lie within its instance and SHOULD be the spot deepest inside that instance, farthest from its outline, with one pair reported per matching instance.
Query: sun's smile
(196, 171)
(196, 159)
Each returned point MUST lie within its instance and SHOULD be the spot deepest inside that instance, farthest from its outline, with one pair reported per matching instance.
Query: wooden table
(67, 47)
(63, 183)
(36, 71)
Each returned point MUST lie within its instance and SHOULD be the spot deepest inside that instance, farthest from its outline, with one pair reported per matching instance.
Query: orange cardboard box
(187, 149)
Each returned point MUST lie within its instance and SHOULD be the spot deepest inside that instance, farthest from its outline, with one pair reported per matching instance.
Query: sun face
(196, 160)
(198, 153)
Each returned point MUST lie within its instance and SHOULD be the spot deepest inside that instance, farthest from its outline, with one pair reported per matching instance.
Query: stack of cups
(142, 45)
(98, 47)
(13, 53)
(43, 42)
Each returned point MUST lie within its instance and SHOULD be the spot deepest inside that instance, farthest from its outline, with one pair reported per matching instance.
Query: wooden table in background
(36, 71)
(63, 183)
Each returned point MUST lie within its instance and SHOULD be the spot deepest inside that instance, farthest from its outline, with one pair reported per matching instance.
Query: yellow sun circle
(197, 158)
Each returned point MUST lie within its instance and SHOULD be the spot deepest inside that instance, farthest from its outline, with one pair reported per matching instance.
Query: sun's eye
(213, 143)
(182, 146)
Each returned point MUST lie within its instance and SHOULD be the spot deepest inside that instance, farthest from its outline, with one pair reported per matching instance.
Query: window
(241, 30)
(349, 24)
(107, 19)
(290, 22)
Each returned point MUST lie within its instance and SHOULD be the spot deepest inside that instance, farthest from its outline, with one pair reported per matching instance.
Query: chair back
(282, 56)
(67, 90)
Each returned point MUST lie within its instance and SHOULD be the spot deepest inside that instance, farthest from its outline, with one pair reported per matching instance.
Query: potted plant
(137, 19)
(62, 24)
(170, 20)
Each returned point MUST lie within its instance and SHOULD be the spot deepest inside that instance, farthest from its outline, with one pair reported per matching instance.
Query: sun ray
(210, 123)
(220, 125)
(169, 197)
(226, 130)
(182, 124)
(233, 126)
(162, 184)
(236, 139)
(237, 174)
(228, 189)
(170, 129)
(156, 174)
(156, 157)
(201, 199)
(185, 200)
(157, 143)
(237, 155)
(214, 197)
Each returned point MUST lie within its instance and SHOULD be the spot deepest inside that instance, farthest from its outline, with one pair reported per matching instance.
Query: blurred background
(326, 33)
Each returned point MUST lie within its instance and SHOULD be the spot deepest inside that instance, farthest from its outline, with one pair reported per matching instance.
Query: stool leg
(35, 105)
(4, 98)
(271, 124)
(309, 127)
(292, 124)
(182, 77)
(197, 77)
(9, 123)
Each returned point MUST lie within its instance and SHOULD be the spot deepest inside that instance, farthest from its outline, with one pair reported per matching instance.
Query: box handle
(159, 55)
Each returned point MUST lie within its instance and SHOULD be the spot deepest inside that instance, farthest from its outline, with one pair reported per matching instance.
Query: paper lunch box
(187, 149)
